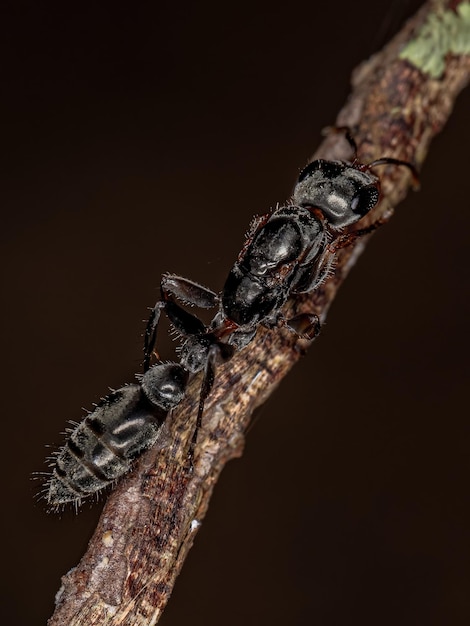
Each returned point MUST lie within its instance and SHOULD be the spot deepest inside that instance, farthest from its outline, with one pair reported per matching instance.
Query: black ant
(288, 251)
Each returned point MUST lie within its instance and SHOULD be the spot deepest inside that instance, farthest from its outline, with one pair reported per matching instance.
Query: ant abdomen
(102, 447)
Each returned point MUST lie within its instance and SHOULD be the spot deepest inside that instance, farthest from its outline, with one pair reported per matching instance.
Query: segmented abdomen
(103, 445)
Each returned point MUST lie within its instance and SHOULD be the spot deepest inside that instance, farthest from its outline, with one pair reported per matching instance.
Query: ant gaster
(102, 447)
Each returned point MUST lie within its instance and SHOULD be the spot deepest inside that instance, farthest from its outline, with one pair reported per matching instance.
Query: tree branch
(401, 98)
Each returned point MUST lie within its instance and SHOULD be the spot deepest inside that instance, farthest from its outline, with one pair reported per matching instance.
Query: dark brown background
(142, 139)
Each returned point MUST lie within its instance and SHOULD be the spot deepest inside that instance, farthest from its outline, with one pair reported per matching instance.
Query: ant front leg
(312, 274)
(188, 292)
(150, 335)
(346, 240)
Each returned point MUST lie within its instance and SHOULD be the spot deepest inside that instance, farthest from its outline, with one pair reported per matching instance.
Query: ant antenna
(382, 161)
(392, 161)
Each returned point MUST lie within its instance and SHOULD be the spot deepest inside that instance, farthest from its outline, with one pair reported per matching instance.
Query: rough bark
(401, 98)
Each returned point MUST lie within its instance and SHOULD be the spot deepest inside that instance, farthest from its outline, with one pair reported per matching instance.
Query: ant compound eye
(365, 200)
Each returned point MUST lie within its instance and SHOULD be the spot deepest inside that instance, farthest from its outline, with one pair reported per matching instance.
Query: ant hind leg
(188, 292)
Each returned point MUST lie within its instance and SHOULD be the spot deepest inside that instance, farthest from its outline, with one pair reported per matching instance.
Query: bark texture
(397, 105)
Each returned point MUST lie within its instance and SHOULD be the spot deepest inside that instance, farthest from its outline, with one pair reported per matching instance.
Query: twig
(401, 98)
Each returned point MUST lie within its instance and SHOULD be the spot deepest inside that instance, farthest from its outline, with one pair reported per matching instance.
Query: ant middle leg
(346, 240)
(305, 325)
(186, 291)
(217, 352)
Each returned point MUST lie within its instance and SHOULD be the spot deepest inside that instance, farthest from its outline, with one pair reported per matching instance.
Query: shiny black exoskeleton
(288, 251)
(292, 249)
(102, 447)
(282, 252)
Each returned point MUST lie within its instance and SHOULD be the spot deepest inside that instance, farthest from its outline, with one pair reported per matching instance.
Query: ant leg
(349, 238)
(207, 384)
(188, 292)
(312, 275)
(305, 325)
(150, 335)
(184, 323)
(217, 350)
(382, 161)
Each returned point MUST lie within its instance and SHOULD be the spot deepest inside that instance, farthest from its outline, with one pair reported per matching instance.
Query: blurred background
(142, 138)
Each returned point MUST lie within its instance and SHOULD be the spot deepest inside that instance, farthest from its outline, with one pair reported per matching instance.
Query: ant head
(344, 192)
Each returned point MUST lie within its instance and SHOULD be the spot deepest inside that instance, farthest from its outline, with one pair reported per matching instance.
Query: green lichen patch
(444, 32)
